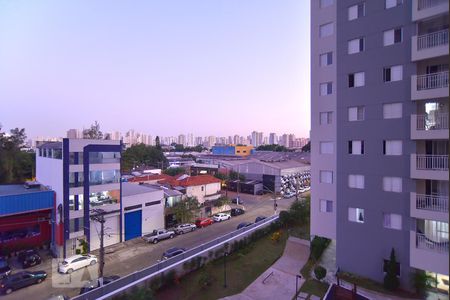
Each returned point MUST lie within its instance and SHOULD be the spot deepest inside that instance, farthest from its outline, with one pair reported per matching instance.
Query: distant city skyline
(213, 68)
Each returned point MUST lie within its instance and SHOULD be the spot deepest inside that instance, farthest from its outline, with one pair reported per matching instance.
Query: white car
(76, 262)
(221, 217)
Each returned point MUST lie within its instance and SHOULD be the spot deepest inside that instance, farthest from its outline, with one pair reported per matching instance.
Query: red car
(203, 222)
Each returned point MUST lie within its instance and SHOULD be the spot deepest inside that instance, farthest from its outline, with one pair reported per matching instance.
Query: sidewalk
(279, 279)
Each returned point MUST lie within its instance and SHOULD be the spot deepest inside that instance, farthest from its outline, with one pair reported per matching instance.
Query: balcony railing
(424, 4)
(437, 121)
(433, 203)
(430, 40)
(432, 81)
(432, 162)
(424, 242)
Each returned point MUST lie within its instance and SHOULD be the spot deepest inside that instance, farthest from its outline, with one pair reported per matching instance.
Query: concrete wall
(361, 247)
(49, 172)
(322, 223)
(208, 189)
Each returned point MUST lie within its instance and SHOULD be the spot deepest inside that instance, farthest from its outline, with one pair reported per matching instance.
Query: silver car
(183, 228)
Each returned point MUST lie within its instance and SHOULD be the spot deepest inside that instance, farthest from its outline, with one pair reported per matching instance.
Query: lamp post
(225, 254)
(275, 204)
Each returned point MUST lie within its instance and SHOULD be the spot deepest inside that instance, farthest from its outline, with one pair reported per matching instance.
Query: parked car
(21, 280)
(235, 200)
(76, 262)
(259, 218)
(5, 269)
(92, 285)
(221, 217)
(203, 222)
(29, 258)
(183, 228)
(171, 252)
(244, 224)
(237, 212)
(158, 235)
(58, 297)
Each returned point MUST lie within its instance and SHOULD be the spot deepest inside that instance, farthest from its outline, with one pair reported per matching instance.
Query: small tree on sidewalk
(391, 281)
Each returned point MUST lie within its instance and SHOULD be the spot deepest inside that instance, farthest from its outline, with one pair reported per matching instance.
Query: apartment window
(325, 3)
(326, 206)
(386, 264)
(326, 117)
(356, 11)
(356, 113)
(356, 215)
(356, 45)
(326, 59)
(356, 181)
(392, 221)
(392, 184)
(326, 30)
(326, 88)
(394, 73)
(356, 147)
(392, 147)
(392, 110)
(392, 3)
(356, 79)
(326, 148)
(393, 36)
(326, 177)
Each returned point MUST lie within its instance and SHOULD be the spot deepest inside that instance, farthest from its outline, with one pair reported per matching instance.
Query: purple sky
(161, 67)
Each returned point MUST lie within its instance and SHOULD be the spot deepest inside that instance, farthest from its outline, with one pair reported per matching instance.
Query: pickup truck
(157, 235)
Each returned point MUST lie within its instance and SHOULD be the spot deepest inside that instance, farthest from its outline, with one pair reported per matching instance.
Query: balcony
(429, 45)
(429, 126)
(429, 207)
(422, 9)
(433, 167)
(429, 86)
(427, 254)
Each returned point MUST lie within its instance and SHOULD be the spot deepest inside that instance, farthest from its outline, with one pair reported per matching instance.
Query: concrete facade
(365, 125)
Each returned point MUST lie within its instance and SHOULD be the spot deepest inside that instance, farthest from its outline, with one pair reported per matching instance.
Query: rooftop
(130, 189)
(17, 189)
(51, 145)
(149, 177)
(192, 180)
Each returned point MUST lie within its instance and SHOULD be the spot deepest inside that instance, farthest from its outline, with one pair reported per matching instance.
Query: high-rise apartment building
(273, 139)
(379, 134)
(74, 134)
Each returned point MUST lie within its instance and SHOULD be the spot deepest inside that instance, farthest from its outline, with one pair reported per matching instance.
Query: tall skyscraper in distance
(273, 139)
(379, 134)
(74, 134)
(182, 139)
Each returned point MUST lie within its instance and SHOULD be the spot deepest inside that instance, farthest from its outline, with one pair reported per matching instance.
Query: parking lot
(127, 257)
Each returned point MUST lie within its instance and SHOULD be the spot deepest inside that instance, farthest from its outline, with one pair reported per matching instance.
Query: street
(133, 255)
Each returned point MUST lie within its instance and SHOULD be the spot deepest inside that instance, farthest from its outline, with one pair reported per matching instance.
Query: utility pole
(99, 216)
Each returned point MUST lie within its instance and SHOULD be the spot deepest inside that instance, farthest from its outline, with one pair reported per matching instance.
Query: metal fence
(432, 81)
(437, 121)
(137, 277)
(424, 4)
(432, 162)
(431, 202)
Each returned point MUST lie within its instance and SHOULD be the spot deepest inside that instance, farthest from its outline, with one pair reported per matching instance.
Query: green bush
(318, 245)
(421, 281)
(285, 218)
(320, 272)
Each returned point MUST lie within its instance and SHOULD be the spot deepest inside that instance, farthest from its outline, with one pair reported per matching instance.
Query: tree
(186, 210)
(174, 171)
(142, 154)
(391, 281)
(223, 200)
(94, 132)
(16, 164)
(233, 175)
(273, 147)
(157, 143)
(300, 211)
(421, 281)
(307, 147)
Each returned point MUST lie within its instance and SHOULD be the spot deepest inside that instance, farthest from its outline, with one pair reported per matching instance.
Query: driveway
(133, 255)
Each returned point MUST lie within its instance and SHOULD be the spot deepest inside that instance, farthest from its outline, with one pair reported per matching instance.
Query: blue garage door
(133, 225)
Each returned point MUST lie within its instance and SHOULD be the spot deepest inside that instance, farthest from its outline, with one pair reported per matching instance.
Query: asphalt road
(133, 255)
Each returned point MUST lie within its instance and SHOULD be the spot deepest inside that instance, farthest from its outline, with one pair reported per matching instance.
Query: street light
(275, 198)
(225, 254)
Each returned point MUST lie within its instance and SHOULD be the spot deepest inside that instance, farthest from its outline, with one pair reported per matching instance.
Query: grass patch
(243, 267)
(374, 285)
(315, 287)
